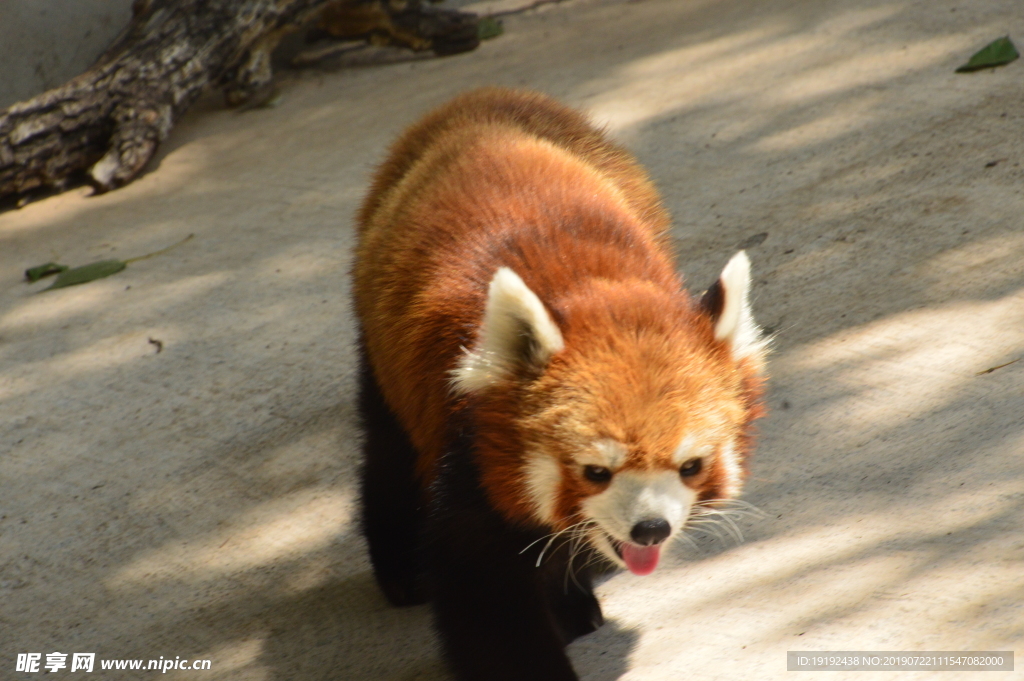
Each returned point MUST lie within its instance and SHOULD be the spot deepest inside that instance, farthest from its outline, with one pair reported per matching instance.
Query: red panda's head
(621, 417)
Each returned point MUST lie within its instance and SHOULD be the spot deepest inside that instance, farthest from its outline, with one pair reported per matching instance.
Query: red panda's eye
(691, 468)
(597, 473)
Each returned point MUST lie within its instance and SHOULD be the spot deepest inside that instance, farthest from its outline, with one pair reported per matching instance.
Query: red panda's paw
(578, 614)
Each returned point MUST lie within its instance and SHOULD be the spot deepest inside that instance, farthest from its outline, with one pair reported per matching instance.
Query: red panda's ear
(517, 333)
(727, 303)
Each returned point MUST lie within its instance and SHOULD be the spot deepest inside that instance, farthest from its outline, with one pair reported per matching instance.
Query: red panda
(540, 395)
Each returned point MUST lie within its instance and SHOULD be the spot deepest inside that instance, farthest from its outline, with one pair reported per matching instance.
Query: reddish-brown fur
(504, 178)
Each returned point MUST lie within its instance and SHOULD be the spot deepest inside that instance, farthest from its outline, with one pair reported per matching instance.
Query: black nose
(648, 532)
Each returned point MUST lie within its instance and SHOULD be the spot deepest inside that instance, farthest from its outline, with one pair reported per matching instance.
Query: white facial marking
(543, 479)
(512, 310)
(633, 496)
(689, 449)
(610, 454)
(733, 472)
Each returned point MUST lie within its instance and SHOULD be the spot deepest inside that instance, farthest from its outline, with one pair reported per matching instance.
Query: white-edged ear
(728, 304)
(517, 331)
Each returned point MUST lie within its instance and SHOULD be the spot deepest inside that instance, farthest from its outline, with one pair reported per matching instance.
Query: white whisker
(732, 506)
(579, 535)
(715, 516)
(571, 529)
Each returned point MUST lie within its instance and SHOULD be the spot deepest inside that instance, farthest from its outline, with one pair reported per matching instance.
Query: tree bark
(109, 121)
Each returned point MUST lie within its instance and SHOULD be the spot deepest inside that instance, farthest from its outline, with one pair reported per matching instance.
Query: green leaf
(34, 274)
(488, 28)
(87, 273)
(996, 53)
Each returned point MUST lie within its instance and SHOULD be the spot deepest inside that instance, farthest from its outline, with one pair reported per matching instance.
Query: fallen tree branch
(108, 122)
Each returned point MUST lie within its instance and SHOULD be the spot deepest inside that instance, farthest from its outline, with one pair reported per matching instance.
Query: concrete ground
(197, 500)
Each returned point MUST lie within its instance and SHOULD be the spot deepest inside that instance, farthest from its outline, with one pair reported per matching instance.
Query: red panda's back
(533, 114)
(495, 178)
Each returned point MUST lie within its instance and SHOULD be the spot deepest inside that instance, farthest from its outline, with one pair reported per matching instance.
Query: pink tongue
(641, 560)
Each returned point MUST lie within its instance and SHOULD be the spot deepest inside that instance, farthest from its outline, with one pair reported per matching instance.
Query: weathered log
(109, 121)
(405, 24)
